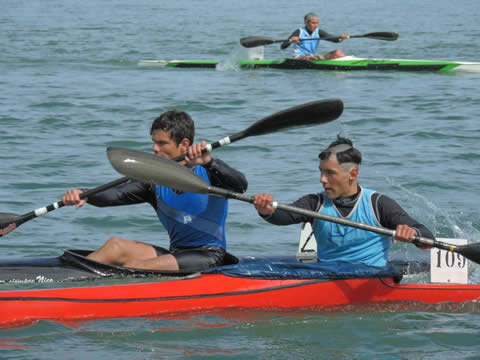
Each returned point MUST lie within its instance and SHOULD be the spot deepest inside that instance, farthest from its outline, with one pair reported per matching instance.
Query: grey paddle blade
(155, 169)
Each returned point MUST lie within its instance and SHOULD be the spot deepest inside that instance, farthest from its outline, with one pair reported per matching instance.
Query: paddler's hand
(294, 39)
(196, 155)
(343, 37)
(263, 204)
(406, 234)
(72, 197)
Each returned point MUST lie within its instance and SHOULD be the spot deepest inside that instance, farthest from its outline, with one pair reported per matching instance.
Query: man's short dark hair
(344, 151)
(178, 124)
(309, 16)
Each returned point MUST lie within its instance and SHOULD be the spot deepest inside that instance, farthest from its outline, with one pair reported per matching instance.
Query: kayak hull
(218, 292)
(273, 283)
(347, 63)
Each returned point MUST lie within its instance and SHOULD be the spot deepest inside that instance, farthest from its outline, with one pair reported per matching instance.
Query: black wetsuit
(137, 192)
(387, 211)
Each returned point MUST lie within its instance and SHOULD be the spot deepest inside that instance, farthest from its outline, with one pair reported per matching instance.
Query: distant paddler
(305, 49)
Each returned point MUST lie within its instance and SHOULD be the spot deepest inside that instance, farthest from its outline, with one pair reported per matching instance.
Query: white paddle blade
(155, 169)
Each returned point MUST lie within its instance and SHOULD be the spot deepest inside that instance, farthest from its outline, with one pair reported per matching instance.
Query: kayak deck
(347, 63)
(75, 266)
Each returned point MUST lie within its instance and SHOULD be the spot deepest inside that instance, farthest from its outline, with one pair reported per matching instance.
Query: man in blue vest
(342, 196)
(306, 49)
(195, 222)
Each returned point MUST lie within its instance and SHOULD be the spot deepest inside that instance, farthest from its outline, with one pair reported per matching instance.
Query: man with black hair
(342, 196)
(305, 40)
(195, 222)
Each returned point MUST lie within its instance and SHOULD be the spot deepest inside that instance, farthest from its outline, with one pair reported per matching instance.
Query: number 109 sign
(447, 266)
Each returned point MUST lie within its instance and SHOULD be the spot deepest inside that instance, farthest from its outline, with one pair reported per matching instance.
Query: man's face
(165, 146)
(337, 181)
(312, 24)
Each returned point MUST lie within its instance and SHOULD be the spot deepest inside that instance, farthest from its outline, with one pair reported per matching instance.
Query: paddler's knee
(335, 54)
(115, 245)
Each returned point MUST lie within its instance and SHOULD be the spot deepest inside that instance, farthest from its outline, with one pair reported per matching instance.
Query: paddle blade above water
(254, 41)
(312, 113)
(155, 169)
(470, 251)
(380, 35)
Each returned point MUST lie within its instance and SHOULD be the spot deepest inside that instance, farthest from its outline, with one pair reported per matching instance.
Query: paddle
(254, 41)
(312, 113)
(150, 168)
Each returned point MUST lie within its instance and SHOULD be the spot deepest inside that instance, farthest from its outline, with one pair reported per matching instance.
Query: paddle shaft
(254, 41)
(418, 240)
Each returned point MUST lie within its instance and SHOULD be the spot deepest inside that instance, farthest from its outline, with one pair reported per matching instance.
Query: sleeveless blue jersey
(306, 47)
(190, 219)
(337, 242)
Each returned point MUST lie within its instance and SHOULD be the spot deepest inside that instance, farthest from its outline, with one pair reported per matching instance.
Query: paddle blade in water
(155, 169)
(316, 112)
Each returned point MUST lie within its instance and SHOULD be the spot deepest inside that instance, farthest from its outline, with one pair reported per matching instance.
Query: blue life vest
(306, 47)
(190, 219)
(337, 242)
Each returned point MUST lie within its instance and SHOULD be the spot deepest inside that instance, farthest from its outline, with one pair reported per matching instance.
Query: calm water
(70, 87)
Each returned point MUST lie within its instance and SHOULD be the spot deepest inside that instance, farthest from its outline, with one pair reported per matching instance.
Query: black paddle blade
(155, 169)
(312, 113)
(470, 251)
(382, 35)
(7, 223)
(254, 41)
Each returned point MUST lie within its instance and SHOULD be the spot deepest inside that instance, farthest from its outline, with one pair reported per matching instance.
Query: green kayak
(347, 63)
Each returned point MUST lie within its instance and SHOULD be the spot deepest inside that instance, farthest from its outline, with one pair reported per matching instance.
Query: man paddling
(344, 197)
(195, 222)
(306, 49)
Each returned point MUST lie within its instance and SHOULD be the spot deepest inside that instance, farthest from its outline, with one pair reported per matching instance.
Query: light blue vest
(306, 47)
(337, 242)
(190, 219)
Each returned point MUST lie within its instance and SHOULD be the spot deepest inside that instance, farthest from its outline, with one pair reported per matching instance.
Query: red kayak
(211, 292)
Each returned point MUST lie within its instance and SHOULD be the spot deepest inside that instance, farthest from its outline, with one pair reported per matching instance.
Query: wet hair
(178, 124)
(344, 151)
(309, 16)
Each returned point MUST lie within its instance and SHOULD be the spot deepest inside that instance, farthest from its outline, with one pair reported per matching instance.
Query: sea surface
(70, 87)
